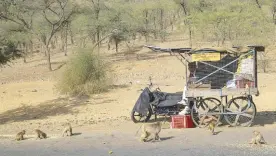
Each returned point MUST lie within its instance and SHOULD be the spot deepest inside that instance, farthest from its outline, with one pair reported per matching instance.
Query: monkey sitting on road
(258, 138)
(149, 129)
(67, 129)
(40, 134)
(20, 136)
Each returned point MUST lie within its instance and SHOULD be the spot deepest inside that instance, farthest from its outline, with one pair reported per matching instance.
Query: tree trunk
(97, 12)
(84, 42)
(62, 36)
(53, 45)
(42, 49)
(66, 39)
(108, 45)
(258, 4)
(48, 58)
(71, 36)
(223, 38)
(162, 25)
(26, 50)
(98, 39)
(190, 36)
(172, 22)
(116, 44)
(155, 27)
(147, 27)
(31, 46)
(45, 52)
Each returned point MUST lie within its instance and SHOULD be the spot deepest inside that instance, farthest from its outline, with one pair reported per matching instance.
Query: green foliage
(85, 73)
(240, 22)
(8, 51)
(236, 21)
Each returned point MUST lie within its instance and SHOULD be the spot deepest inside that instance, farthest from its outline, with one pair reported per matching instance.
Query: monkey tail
(138, 130)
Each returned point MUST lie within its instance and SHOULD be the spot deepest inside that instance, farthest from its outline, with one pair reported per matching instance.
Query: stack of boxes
(244, 77)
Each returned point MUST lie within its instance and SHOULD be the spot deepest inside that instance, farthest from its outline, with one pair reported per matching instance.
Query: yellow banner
(206, 57)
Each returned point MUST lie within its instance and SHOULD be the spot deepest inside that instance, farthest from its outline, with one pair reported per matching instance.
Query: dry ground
(28, 99)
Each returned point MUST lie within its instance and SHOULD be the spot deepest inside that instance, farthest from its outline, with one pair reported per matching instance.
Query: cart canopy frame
(187, 53)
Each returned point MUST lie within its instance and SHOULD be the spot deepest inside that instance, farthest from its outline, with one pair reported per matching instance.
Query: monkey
(211, 126)
(67, 129)
(20, 136)
(258, 138)
(40, 134)
(151, 128)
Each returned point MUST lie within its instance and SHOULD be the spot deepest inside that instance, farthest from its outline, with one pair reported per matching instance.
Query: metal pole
(255, 64)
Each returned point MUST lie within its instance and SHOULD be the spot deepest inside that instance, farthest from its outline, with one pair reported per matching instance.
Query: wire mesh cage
(222, 72)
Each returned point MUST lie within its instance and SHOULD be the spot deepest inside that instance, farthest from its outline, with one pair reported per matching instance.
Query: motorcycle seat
(167, 103)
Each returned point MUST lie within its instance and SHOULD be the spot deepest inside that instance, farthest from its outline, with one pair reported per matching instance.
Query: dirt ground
(28, 99)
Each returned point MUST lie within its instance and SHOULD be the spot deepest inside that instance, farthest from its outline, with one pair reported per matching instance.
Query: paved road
(192, 142)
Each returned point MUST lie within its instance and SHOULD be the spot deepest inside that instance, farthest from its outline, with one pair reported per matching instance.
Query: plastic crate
(182, 121)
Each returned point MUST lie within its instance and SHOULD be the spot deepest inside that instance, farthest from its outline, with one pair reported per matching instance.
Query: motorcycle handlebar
(158, 89)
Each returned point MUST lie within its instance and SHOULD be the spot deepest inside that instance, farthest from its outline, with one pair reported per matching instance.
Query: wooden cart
(220, 83)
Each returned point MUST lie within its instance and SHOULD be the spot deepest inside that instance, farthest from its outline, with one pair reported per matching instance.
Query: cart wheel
(137, 117)
(244, 111)
(207, 105)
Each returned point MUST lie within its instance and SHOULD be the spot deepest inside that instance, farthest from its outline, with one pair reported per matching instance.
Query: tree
(184, 5)
(117, 37)
(54, 16)
(119, 22)
(273, 10)
(97, 8)
(17, 21)
(8, 51)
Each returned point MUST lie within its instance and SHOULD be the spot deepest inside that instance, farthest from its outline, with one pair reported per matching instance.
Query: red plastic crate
(182, 121)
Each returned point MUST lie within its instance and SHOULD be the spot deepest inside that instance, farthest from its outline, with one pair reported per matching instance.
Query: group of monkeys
(42, 135)
(155, 128)
(257, 136)
(148, 129)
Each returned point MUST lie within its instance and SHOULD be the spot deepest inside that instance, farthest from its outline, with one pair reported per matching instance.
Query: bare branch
(93, 2)
(31, 22)
(53, 11)
(65, 20)
(46, 18)
(23, 21)
(9, 19)
(258, 4)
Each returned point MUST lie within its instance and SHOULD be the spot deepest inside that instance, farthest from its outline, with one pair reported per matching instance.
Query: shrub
(86, 73)
(8, 52)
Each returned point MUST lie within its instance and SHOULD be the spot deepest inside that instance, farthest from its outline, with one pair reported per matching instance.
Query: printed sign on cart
(206, 57)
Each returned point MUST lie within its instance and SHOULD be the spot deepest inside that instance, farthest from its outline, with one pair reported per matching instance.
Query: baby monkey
(40, 134)
(258, 138)
(67, 129)
(151, 129)
(20, 136)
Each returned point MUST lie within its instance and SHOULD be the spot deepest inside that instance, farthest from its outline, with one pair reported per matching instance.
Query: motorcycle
(156, 103)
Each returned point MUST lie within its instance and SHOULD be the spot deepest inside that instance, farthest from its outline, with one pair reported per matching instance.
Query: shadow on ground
(166, 138)
(265, 118)
(216, 133)
(75, 134)
(46, 109)
(262, 118)
(161, 139)
(54, 107)
(138, 57)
